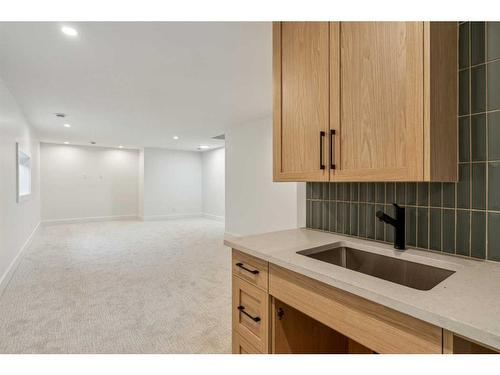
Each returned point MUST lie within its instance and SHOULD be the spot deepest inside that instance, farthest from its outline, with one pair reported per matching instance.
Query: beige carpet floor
(120, 287)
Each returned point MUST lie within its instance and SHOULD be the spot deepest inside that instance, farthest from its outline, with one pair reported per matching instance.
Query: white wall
(17, 220)
(254, 203)
(172, 183)
(88, 182)
(140, 186)
(213, 184)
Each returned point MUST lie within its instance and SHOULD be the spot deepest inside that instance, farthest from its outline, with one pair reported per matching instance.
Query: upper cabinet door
(378, 69)
(301, 101)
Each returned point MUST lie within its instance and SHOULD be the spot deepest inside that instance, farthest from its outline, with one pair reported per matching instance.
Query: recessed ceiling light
(67, 125)
(66, 143)
(175, 137)
(69, 31)
(120, 146)
(203, 147)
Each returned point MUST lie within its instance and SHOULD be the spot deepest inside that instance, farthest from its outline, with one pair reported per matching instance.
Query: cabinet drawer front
(242, 346)
(251, 314)
(381, 329)
(251, 269)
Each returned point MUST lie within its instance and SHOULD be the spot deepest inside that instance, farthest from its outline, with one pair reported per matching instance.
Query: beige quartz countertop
(467, 302)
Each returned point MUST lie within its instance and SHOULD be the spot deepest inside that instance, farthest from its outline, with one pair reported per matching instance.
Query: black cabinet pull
(332, 145)
(255, 272)
(321, 136)
(242, 310)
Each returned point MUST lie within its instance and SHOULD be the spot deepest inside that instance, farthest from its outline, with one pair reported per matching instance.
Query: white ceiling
(138, 84)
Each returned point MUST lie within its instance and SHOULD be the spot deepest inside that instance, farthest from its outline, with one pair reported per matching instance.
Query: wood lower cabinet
(284, 312)
(365, 101)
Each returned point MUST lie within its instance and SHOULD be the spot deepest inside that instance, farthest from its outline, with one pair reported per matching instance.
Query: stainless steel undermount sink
(410, 274)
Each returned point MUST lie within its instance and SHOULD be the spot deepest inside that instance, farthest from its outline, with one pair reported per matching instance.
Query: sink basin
(410, 274)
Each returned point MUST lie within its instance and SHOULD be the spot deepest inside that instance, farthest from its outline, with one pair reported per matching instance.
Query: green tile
(333, 191)
(494, 135)
(435, 229)
(494, 85)
(354, 219)
(411, 226)
(390, 192)
(339, 224)
(477, 43)
(325, 215)
(400, 193)
(479, 186)
(411, 193)
(370, 221)
(463, 88)
(316, 190)
(325, 191)
(448, 231)
(380, 192)
(478, 137)
(354, 191)
(463, 45)
(347, 191)
(463, 186)
(379, 226)
(370, 192)
(362, 191)
(347, 218)
(493, 40)
(478, 235)
(464, 139)
(463, 232)
(317, 214)
(389, 229)
(435, 189)
(309, 190)
(449, 194)
(340, 191)
(423, 194)
(494, 236)
(308, 214)
(332, 216)
(362, 220)
(494, 186)
(422, 228)
(478, 89)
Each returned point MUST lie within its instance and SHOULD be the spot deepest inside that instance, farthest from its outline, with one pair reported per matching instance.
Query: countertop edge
(441, 321)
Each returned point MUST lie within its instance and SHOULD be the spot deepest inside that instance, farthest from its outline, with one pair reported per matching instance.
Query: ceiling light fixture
(67, 125)
(69, 31)
(120, 146)
(175, 137)
(203, 147)
(66, 143)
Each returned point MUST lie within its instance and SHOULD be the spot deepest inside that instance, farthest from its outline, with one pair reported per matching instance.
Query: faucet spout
(398, 223)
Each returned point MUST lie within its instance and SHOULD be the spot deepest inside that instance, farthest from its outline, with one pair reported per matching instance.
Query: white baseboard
(214, 217)
(170, 217)
(90, 219)
(7, 276)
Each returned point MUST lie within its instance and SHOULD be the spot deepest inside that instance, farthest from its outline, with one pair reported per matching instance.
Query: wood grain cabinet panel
(374, 326)
(251, 269)
(242, 346)
(301, 100)
(251, 314)
(386, 90)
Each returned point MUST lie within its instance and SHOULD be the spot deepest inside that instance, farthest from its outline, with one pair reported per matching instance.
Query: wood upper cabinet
(392, 101)
(301, 100)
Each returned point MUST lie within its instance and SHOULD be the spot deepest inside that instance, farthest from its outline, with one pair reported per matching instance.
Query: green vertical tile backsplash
(456, 218)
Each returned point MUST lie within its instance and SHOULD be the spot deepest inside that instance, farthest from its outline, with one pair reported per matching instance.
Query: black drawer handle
(255, 272)
(321, 136)
(332, 152)
(242, 310)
